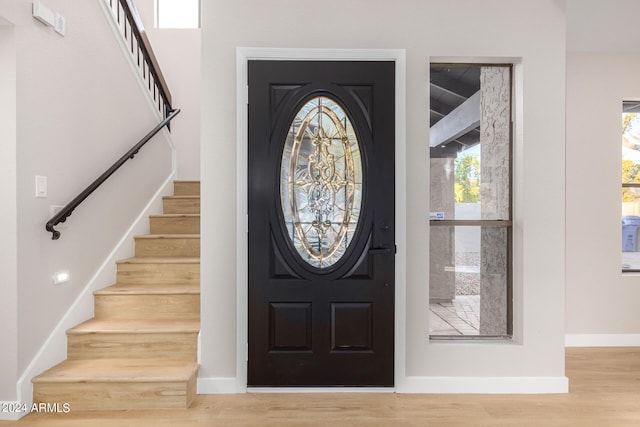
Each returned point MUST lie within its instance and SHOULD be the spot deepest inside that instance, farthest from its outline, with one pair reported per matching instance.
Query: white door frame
(243, 55)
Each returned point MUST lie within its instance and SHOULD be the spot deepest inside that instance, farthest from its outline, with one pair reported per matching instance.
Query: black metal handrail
(63, 214)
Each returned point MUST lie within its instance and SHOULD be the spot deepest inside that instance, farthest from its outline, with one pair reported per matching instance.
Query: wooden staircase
(140, 349)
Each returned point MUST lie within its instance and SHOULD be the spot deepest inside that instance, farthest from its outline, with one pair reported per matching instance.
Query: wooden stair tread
(135, 326)
(160, 260)
(149, 289)
(119, 370)
(178, 215)
(186, 197)
(140, 350)
(168, 236)
(186, 181)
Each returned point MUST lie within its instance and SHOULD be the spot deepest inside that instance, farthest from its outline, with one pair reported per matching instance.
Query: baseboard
(411, 385)
(484, 385)
(220, 386)
(54, 349)
(13, 410)
(297, 390)
(602, 340)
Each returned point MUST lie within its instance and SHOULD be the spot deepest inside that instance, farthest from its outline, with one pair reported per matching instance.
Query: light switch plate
(41, 186)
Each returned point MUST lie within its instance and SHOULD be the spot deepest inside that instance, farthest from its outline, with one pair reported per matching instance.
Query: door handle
(380, 251)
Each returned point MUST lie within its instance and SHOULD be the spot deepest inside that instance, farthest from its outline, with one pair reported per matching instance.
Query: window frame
(624, 185)
(508, 223)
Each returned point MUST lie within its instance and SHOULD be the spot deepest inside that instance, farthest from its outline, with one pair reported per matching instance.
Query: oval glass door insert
(321, 182)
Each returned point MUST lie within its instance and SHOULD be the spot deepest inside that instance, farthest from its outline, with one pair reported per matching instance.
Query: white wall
(78, 109)
(603, 65)
(532, 34)
(602, 26)
(8, 219)
(602, 303)
(178, 53)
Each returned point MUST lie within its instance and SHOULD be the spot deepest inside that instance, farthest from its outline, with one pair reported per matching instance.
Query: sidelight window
(470, 201)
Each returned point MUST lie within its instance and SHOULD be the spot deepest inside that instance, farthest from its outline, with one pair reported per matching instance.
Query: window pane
(470, 180)
(178, 13)
(470, 141)
(630, 186)
(469, 289)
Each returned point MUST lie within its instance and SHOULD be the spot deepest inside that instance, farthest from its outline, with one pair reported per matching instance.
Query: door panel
(321, 223)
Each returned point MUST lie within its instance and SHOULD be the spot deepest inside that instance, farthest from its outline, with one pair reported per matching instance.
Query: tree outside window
(467, 183)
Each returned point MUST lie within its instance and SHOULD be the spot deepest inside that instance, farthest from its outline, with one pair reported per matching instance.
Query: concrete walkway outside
(459, 317)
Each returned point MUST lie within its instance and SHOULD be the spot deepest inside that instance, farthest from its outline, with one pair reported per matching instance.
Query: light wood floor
(604, 391)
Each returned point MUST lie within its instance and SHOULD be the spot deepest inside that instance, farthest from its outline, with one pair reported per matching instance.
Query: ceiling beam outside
(460, 121)
(462, 80)
(449, 91)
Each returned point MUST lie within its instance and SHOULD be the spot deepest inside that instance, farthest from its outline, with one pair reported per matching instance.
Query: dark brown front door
(321, 223)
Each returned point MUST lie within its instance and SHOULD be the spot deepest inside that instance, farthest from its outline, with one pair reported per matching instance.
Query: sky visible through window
(178, 13)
